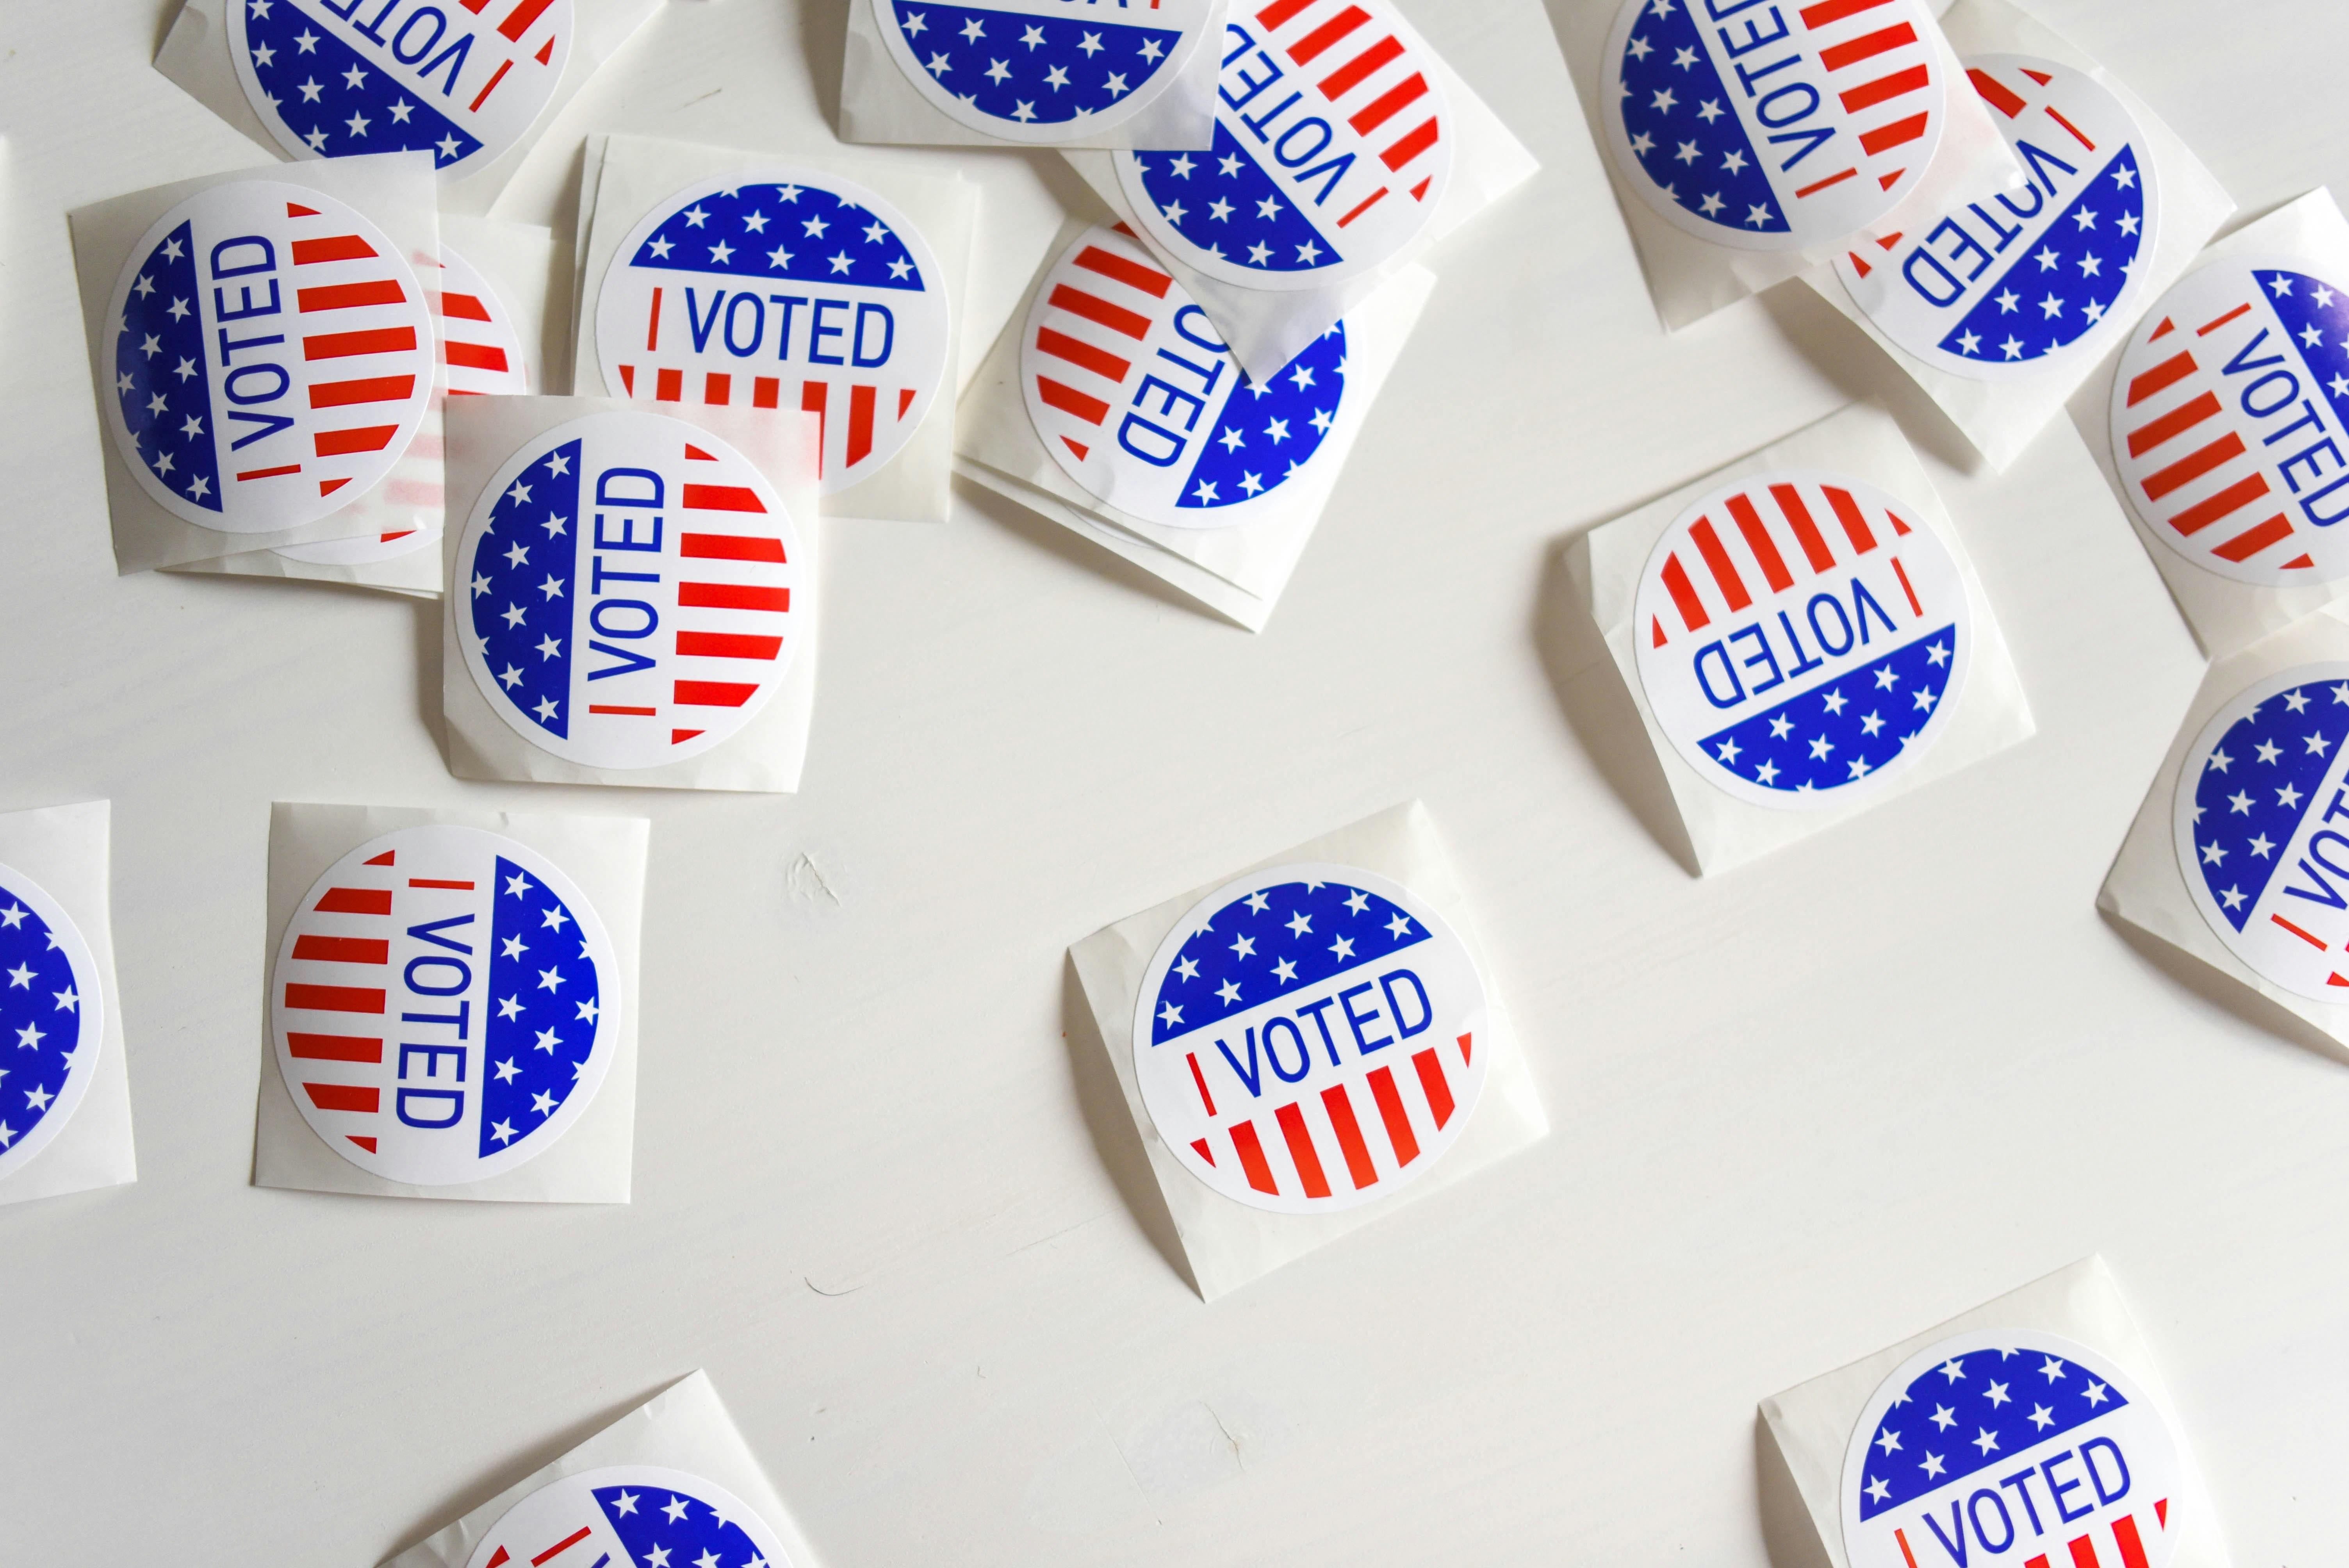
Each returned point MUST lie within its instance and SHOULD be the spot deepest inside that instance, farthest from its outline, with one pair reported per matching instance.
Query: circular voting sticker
(1137, 398)
(443, 1005)
(461, 79)
(2015, 1447)
(1333, 146)
(1309, 1039)
(2003, 285)
(53, 1015)
(630, 1516)
(628, 586)
(2258, 818)
(1043, 71)
(781, 290)
(272, 356)
(2231, 421)
(1800, 639)
(1772, 126)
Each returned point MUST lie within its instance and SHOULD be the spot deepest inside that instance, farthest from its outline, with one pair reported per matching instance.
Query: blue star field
(1033, 70)
(543, 1007)
(1273, 942)
(338, 101)
(1840, 732)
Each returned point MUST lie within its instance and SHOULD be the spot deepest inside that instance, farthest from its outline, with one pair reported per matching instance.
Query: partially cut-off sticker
(1333, 144)
(2010, 1446)
(1134, 395)
(779, 289)
(1309, 1039)
(2258, 817)
(1042, 71)
(2008, 283)
(1773, 126)
(461, 79)
(2231, 421)
(444, 1006)
(272, 356)
(1802, 638)
(52, 1019)
(630, 1516)
(626, 591)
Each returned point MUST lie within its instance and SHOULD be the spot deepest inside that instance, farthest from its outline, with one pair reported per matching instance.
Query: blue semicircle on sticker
(543, 1004)
(160, 373)
(1684, 130)
(782, 233)
(523, 584)
(1224, 204)
(1033, 70)
(338, 101)
(2258, 785)
(1841, 732)
(1272, 941)
(1267, 431)
(2016, 1400)
(2085, 253)
(40, 1013)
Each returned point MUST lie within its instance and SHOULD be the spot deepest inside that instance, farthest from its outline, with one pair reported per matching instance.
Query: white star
(541, 1102)
(1709, 110)
(624, 1503)
(1033, 37)
(512, 614)
(1664, 100)
(20, 978)
(547, 707)
(1188, 969)
(448, 146)
(2096, 1392)
(675, 1506)
(1343, 947)
(1757, 215)
(354, 77)
(1934, 1464)
(2041, 1417)
(1091, 44)
(66, 1001)
(29, 1037)
(400, 111)
(695, 217)
(2086, 218)
(552, 587)
(547, 1040)
(2262, 846)
(1170, 1015)
(2052, 1370)
(1986, 1440)
(1887, 1440)
(358, 123)
(997, 72)
(1228, 992)
(2233, 898)
(307, 43)
(721, 252)
(309, 90)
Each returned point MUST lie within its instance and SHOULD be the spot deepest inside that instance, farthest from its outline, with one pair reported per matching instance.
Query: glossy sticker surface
(52, 1019)
(630, 1516)
(1042, 71)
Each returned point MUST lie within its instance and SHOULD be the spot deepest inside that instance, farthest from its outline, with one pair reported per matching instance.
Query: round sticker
(2231, 421)
(627, 598)
(463, 81)
(1800, 638)
(1999, 287)
(702, 305)
(630, 1516)
(272, 357)
(2258, 840)
(1134, 395)
(1333, 146)
(1041, 71)
(2009, 1448)
(52, 1019)
(443, 1005)
(1310, 1037)
(1771, 126)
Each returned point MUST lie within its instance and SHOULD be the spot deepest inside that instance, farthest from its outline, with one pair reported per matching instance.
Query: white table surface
(885, 1192)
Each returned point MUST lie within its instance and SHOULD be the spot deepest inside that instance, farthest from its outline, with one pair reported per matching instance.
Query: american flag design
(2010, 1446)
(443, 1005)
(628, 589)
(461, 79)
(2231, 420)
(1772, 125)
(1309, 1039)
(1801, 636)
(1138, 400)
(272, 357)
(630, 1516)
(1043, 71)
(1333, 146)
(52, 1018)
(782, 290)
(2000, 285)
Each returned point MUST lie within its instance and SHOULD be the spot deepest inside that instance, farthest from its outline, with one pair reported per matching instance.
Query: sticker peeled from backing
(461, 79)
(1309, 1039)
(444, 1006)
(1771, 126)
(2231, 421)
(272, 356)
(1999, 1447)
(1333, 146)
(1134, 395)
(52, 1019)
(2011, 282)
(782, 290)
(626, 588)
(630, 1516)
(1799, 639)
(1043, 71)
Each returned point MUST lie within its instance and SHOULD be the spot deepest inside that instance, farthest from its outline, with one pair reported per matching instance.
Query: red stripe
(269, 473)
(356, 901)
(766, 392)
(1281, 10)
(1683, 592)
(725, 645)
(1717, 561)
(2166, 374)
(1867, 46)
(860, 424)
(2251, 541)
(1758, 540)
(1815, 186)
(344, 1097)
(349, 296)
(476, 355)
(1201, 1079)
(368, 389)
(2125, 1536)
(333, 1048)
(463, 307)
(342, 949)
(1301, 1150)
(1893, 135)
(668, 386)
(1916, 78)
(723, 498)
(2077, 134)
(1996, 93)
(1391, 1111)
(1092, 307)
(441, 881)
(490, 86)
(1410, 147)
(1077, 351)
(713, 693)
(334, 999)
(1069, 400)
(629, 712)
(1358, 1165)
(516, 24)
(1855, 522)
(730, 597)
(1324, 37)
(728, 547)
(1259, 1174)
(1827, 11)
(1132, 274)
(337, 248)
(2084, 1551)
(360, 438)
(1806, 532)
(1363, 206)
(1390, 103)
(2234, 499)
(1359, 69)
(343, 345)
(2183, 417)
(1431, 1080)
(2207, 330)
(2192, 466)
(1902, 573)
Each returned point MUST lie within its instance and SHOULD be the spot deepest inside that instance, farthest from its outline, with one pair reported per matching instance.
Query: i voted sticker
(2231, 421)
(272, 357)
(2010, 1446)
(630, 1516)
(1333, 146)
(444, 1006)
(1043, 71)
(627, 585)
(1802, 638)
(782, 290)
(1771, 125)
(52, 1019)
(461, 79)
(2003, 285)
(1134, 395)
(1310, 1037)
